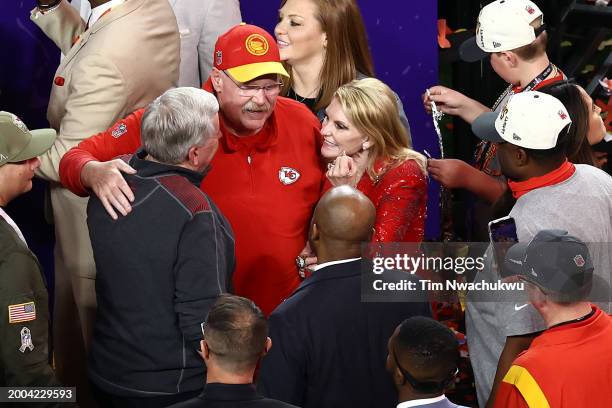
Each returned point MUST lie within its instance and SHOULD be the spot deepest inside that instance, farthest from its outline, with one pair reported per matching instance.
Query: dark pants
(107, 400)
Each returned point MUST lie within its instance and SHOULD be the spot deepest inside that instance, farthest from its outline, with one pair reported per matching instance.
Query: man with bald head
(329, 347)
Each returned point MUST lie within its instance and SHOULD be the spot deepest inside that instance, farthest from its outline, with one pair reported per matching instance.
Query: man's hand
(310, 258)
(600, 158)
(107, 182)
(453, 103)
(451, 173)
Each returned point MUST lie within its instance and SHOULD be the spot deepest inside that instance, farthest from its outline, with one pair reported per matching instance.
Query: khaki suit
(125, 60)
(200, 23)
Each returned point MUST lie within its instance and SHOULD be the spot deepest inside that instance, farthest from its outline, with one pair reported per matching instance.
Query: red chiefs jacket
(566, 366)
(266, 185)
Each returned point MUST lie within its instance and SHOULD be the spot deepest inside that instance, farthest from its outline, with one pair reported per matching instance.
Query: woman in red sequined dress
(364, 143)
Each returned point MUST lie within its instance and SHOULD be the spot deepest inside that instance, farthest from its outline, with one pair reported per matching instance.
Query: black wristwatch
(44, 7)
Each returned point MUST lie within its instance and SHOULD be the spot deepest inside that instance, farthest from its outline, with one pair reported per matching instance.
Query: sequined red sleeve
(400, 197)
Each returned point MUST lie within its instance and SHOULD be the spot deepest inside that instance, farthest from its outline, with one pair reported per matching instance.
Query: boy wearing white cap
(512, 33)
(551, 193)
(24, 314)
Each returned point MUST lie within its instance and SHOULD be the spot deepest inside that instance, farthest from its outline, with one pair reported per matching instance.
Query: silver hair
(177, 120)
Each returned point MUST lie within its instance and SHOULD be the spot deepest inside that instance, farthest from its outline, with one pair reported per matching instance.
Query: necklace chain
(303, 98)
(534, 82)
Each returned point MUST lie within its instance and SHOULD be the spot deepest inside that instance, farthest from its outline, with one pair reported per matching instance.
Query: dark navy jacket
(328, 348)
(159, 270)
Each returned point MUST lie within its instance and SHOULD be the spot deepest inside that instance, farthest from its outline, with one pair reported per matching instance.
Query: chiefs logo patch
(256, 44)
(287, 175)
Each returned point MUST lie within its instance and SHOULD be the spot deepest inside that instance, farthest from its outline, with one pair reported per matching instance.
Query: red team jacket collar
(573, 332)
(261, 141)
(520, 188)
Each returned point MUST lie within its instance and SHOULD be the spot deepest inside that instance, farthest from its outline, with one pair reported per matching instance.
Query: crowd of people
(210, 240)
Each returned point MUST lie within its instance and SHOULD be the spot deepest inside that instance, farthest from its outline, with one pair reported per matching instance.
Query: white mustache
(253, 107)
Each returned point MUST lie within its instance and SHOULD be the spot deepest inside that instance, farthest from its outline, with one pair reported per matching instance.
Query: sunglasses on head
(424, 387)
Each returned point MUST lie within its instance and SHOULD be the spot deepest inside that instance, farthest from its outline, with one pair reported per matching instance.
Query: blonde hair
(347, 50)
(371, 107)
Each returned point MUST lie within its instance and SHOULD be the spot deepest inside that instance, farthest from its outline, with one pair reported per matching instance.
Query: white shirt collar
(10, 222)
(323, 265)
(97, 12)
(419, 402)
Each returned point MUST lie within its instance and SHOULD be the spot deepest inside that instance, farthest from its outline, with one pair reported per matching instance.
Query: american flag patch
(23, 312)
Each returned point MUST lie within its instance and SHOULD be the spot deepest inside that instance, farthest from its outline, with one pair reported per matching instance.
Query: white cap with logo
(502, 26)
(533, 120)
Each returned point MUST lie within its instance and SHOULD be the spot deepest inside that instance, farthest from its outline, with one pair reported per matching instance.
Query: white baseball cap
(532, 120)
(503, 25)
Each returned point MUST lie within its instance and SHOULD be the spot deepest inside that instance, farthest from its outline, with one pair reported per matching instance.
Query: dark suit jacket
(230, 396)
(328, 348)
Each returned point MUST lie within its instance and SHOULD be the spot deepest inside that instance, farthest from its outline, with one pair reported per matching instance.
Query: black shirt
(231, 395)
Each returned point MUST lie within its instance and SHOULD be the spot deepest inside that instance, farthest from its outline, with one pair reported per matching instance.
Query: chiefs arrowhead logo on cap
(530, 9)
(256, 44)
(504, 116)
(287, 175)
(562, 115)
(579, 261)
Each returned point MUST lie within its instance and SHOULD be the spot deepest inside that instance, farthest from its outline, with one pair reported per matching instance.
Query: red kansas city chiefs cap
(247, 52)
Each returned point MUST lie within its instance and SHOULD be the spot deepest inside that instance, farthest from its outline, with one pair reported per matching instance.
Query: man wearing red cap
(266, 176)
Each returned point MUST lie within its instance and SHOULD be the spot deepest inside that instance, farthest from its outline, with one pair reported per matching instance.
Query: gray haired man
(160, 268)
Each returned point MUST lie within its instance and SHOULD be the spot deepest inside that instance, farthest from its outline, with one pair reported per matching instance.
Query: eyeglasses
(252, 90)
(425, 387)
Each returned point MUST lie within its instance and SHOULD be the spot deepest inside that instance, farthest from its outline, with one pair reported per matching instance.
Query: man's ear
(204, 350)
(538, 299)
(267, 346)
(216, 79)
(510, 58)
(398, 377)
(522, 158)
(314, 232)
(193, 156)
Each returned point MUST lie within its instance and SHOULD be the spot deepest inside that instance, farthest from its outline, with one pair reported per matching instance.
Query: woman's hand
(347, 170)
